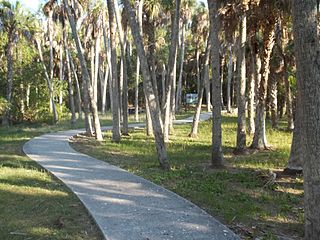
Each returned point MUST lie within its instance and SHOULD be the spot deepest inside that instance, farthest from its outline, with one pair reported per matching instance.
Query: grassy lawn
(239, 195)
(34, 204)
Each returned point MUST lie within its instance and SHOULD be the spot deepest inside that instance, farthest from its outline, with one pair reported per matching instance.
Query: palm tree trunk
(260, 139)
(79, 101)
(171, 69)
(241, 94)
(148, 88)
(306, 45)
(216, 151)
(70, 85)
(179, 89)
(251, 92)
(89, 97)
(9, 56)
(50, 88)
(205, 75)
(61, 76)
(116, 135)
(230, 75)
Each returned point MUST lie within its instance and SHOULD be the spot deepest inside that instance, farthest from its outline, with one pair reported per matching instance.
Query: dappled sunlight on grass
(237, 194)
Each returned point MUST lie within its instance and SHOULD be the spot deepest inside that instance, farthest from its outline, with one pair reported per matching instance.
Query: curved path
(124, 206)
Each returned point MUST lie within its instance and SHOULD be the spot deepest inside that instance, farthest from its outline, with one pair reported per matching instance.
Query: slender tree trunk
(50, 33)
(198, 67)
(251, 93)
(70, 85)
(96, 67)
(61, 77)
(123, 73)
(241, 94)
(88, 94)
(9, 56)
(149, 90)
(116, 136)
(260, 139)
(230, 73)
(295, 163)
(223, 62)
(136, 99)
(217, 155)
(306, 43)
(79, 101)
(205, 75)
(50, 88)
(273, 88)
(171, 69)
(179, 89)
(163, 81)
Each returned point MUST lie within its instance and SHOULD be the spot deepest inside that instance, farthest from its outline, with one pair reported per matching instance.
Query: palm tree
(217, 155)
(85, 75)
(148, 88)
(306, 44)
(116, 136)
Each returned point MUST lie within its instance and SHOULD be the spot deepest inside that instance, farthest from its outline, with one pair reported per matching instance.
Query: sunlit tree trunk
(205, 74)
(148, 88)
(260, 139)
(251, 92)
(241, 87)
(116, 136)
(88, 94)
(179, 88)
(171, 69)
(229, 80)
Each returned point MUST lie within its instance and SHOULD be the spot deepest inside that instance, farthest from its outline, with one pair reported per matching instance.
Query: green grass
(34, 204)
(237, 195)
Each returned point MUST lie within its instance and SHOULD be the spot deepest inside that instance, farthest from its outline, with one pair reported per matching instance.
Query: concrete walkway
(124, 206)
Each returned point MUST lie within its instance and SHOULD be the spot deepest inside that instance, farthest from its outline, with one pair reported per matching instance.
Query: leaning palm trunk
(55, 114)
(260, 139)
(116, 135)
(217, 155)
(171, 70)
(149, 90)
(85, 75)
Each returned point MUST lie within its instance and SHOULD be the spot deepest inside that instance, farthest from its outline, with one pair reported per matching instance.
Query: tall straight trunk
(148, 88)
(295, 162)
(289, 110)
(205, 75)
(171, 69)
(69, 78)
(251, 93)
(104, 86)
(163, 84)
(216, 151)
(9, 56)
(230, 73)
(116, 135)
(148, 119)
(306, 44)
(198, 72)
(123, 73)
(50, 33)
(96, 67)
(88, 94)
(223, 62)
(136, 96)
(28, 95)
(179, 88)
(241, 94)
(260, 139)
(61, 73)
(49, 83)
(75, 74)
(273, 91)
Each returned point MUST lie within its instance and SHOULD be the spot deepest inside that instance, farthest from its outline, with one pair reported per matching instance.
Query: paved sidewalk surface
(125, 206)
